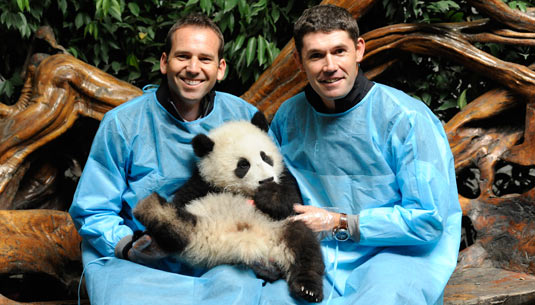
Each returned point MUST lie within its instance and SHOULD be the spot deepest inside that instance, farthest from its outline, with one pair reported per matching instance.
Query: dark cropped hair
(195, 19)
(324, 18)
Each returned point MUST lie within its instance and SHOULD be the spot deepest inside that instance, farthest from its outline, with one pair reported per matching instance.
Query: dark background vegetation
(125, 39)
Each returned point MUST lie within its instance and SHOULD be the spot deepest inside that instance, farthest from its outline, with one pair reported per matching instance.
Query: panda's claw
(307, 289)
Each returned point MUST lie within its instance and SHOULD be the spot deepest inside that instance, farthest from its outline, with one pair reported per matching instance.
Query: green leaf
(116, 66)
(240, 62)
(251, 50)
(114, 45)
(447, 105)
(73, 51)
(134, 8)
(192, 2)
(269, 51)
(79, 20)
(461, 101)
(115, 10)
(62, 4)
(260, 4)
(7, 88)
(133, 75)
(261, 49)
(275, 14)
(242, 8)
(206, 6)
(20, 4)
(426, 98)
(230, 5)
(132, 61)
(238, 43)
(24, 22)
(104, 51)
(231, 22)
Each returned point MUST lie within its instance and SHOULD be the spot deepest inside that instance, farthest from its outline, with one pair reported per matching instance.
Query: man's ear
(221, 69)
(163, 63)
(202, 145)
(360, 47)
(297, 58)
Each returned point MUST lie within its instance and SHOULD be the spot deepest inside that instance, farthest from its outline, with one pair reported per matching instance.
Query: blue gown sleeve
(98, 198)
(423, 165)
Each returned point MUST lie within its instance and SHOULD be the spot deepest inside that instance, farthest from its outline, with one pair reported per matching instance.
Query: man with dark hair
(375, 171)
(141, 147)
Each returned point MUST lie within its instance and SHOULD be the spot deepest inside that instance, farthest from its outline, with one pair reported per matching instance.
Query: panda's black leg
(305, 278)
(172, 236)
(168, 225)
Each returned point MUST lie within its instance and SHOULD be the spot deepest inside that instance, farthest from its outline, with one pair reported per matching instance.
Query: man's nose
(193, 65)
(330, 64)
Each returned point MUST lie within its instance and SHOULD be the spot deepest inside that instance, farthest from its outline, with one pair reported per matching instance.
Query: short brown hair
(195, 19)
(324, 18)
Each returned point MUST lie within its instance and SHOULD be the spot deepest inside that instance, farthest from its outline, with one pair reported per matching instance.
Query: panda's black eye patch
(242, 168)
(266, 158)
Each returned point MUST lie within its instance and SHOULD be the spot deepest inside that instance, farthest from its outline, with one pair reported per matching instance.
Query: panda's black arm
(194, 188)
(290, 192)
(277, 199)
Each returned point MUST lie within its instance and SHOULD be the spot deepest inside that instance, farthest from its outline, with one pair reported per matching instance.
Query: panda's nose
(266, 180)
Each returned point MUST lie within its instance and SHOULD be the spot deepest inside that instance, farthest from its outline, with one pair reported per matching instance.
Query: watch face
(341, 235)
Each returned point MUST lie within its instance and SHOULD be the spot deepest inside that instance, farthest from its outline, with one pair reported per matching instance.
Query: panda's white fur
(219, 225)
(232, 231)
(232, 141)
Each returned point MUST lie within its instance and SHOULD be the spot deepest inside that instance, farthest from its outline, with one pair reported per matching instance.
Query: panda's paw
(269, 272)
(307, 288)
(266, 194)
(268, 200)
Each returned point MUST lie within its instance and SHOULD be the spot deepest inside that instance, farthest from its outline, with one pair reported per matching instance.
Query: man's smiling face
(192, 65)
(330, 61)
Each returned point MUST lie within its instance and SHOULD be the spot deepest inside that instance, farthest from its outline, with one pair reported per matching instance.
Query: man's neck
(183, 111)
(329, 104)
(188, 111)
(360, 88)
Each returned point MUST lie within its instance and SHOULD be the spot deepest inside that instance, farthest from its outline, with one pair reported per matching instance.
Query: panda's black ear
(202, 145)
(260, 121)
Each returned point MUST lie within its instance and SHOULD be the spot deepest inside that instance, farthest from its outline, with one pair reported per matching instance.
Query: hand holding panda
(210, 221)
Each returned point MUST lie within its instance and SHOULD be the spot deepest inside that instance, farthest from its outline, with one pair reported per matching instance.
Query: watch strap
(343, 221)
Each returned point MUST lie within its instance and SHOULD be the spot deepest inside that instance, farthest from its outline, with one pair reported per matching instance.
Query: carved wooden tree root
(505, 224)
(40, 243)
(61, 89)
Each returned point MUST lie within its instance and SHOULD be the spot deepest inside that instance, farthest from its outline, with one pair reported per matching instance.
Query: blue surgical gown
(140, 148)
(388, 160)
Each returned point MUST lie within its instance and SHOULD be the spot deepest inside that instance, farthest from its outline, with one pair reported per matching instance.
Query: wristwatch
(341, 233)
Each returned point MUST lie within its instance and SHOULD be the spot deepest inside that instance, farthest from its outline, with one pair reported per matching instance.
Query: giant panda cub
(211, 219)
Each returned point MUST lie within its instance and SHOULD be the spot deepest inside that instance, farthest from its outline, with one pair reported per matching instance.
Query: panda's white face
(243, 157)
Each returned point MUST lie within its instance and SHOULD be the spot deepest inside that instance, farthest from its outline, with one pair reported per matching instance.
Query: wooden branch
(40, 241)
(55, 94)
(502, 13)
(447, 41)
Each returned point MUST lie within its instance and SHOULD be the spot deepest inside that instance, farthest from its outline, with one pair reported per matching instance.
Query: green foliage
(443, 85)
(126, 37)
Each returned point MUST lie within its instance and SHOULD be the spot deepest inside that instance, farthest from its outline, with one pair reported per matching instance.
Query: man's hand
(317, 219)
(143, 251)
